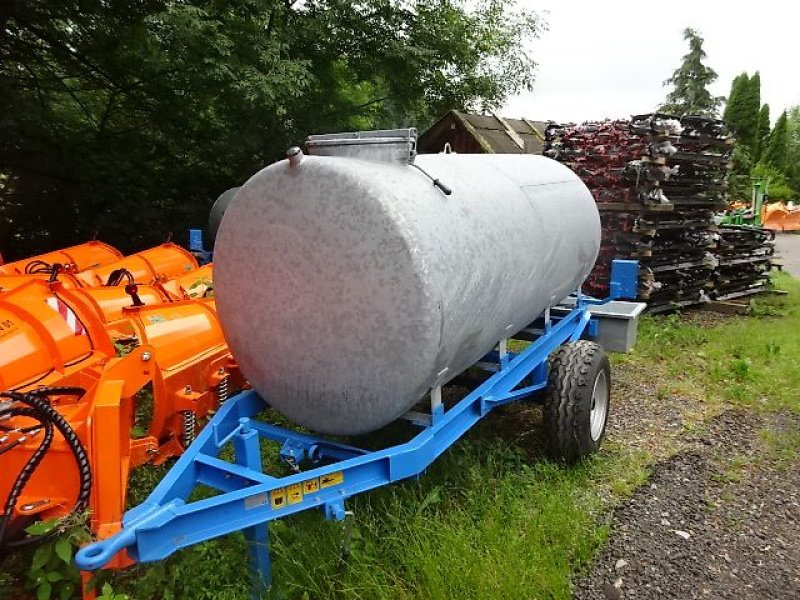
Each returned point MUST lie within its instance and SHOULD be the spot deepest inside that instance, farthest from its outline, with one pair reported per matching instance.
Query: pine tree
(733, 107)
(741, 111)
(690, 81)
(775, 154)
(762, 133)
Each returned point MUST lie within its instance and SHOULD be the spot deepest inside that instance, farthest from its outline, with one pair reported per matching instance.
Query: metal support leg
(347, 538)
(502, 352)
(437, 407)
(248, 454)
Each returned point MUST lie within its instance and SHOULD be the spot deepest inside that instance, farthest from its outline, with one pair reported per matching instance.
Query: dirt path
(788, 249)
(717, 520)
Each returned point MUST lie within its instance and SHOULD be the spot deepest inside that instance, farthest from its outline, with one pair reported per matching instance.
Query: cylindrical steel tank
(349, 288)
(217, 210)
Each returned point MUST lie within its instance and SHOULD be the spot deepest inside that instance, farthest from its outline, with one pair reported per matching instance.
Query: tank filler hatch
(385, 145)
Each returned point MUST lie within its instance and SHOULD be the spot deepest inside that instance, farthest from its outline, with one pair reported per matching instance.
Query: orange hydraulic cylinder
(162, 262)
(83, 256)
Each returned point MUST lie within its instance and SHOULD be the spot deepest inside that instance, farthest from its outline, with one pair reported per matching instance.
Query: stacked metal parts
(657, 181)
(744, 259)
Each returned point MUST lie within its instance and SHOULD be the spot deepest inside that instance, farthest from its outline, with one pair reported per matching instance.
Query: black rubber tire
(568, 400)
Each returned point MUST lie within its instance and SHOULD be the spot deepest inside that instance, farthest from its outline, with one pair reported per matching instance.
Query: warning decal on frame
(311, 486)
(295, 493)
(331, 480)
(277, 497)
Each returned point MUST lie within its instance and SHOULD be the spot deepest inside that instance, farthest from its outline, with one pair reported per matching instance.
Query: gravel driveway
(788, 249)
(717, 520)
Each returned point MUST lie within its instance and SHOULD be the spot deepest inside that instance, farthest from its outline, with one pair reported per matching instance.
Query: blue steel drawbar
(167, 521)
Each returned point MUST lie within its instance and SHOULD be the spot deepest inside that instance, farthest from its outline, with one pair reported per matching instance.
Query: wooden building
(479, 134)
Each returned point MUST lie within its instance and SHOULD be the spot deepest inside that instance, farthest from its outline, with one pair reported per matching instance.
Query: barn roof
(474, 133)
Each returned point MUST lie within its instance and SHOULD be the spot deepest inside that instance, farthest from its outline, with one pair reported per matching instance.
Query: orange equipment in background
(77, 431)
(155, 264)
(90, 255)
(778, 217)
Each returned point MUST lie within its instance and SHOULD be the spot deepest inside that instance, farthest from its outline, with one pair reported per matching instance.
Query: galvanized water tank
(348, 288)
(217, 210)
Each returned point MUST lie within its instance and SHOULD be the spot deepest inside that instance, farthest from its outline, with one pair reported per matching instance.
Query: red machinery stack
(657, 181)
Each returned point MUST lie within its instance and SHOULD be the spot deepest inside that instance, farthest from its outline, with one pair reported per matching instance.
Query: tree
(130, 117)
(777, 147)
(793, 150)
(762, 132)
(742, 110)
(690, 81)
(738, 114)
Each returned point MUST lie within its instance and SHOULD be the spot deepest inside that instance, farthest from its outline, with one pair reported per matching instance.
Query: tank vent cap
(295, 156)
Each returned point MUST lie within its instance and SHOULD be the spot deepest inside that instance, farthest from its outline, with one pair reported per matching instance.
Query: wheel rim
(599, 405)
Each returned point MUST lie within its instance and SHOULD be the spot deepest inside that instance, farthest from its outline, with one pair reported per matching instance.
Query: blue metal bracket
(624, 279)
(197, 248)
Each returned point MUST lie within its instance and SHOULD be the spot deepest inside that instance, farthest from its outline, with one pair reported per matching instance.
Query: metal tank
(348, 288)
(217, 210)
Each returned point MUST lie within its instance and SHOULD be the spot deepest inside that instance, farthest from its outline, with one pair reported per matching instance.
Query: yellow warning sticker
(295, 493)
(7, 327)
(311, 486)
(277, 497)
(331, 480)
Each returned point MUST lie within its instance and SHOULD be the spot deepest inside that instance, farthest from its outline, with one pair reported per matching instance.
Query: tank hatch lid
(387, 145)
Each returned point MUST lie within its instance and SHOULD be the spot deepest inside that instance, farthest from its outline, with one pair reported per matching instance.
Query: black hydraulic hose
(115, 277)
(27, 470)
(37, 266)
(38, 407)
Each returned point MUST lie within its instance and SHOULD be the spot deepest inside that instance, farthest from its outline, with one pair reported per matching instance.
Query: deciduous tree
(130, 117)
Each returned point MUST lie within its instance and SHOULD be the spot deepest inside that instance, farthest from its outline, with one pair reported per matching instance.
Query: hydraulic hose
(36, 405)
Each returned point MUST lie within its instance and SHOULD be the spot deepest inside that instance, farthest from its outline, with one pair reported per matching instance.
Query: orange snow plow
(160, 263)
(194, 284)
(153, 266)
(779, 217)
(90, 255)
(68, 419)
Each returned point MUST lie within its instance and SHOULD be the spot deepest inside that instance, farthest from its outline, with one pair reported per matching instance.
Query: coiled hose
(35, 404)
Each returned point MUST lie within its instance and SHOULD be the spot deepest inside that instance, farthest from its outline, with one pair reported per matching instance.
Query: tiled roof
(474, 133)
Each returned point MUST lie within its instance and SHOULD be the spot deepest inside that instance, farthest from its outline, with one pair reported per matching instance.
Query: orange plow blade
(162, 262)
(90, 255)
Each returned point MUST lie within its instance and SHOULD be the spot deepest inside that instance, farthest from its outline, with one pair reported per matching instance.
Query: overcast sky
(609, 58)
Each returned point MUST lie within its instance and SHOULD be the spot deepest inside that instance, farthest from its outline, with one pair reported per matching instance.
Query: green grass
(749, 360)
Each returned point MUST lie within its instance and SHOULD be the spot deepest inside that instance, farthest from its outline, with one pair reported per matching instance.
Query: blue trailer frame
(167, 521)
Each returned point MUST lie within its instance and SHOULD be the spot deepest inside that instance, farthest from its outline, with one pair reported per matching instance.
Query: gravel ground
(718, 520)
(788, 249)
